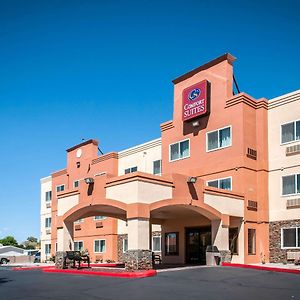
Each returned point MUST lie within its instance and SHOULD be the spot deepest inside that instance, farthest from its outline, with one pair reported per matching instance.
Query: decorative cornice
(59, 173)
(111, 155)
(166, 126)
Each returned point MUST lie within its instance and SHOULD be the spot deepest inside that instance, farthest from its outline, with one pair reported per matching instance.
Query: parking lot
(201, 283)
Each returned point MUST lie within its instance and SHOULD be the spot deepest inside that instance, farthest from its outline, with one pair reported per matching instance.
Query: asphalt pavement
(201, 283)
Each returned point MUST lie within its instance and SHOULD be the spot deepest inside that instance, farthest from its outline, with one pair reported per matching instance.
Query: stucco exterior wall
(141, 156)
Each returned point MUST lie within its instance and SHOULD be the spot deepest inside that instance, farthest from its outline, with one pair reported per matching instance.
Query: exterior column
(65, 242)
(139, 255)
(220, 238)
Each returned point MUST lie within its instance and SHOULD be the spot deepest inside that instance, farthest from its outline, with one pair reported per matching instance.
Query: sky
(104, 69)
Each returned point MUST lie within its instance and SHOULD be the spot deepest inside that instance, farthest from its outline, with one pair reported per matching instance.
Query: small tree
(31, 243)
(9, 241)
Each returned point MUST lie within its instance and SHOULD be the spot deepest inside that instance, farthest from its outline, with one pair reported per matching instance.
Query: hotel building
(225, 172)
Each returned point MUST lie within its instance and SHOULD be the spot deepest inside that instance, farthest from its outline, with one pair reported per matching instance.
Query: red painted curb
(138, 274)
(263, 268)
(102, 265)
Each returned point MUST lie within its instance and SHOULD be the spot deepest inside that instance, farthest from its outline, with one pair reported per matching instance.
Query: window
(48, 196)
(251, 241)
(47, 249)
(60, 188)
(171, 243)
(48, 222)
(99, 246)
(156, 243)
(290, 132)
(290, 237)
(224, 183)
(96, 218)
(218, 139)
(79, 221)
(76, 184)
(157, 167)
(291, 184)
(180, 150)
(78, 246)
(233, 240)
(130, 170)
(125, 244)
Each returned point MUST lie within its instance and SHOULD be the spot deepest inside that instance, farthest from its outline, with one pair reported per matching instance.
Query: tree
(31, 243)
(9, 241)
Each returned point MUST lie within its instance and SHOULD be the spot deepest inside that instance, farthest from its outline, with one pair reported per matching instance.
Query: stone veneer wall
(138, 260)
(276, 253)
(121, 254)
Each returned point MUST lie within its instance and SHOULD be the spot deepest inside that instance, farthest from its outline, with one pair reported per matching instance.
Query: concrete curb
(262, 268)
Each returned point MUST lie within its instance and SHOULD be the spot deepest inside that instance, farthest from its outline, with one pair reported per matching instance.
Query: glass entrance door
(196, 241)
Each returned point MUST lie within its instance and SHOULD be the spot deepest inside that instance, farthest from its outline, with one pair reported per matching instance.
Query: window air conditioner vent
(77, 227)
(252, 205)
(48, 231)
(292, 150)
(251, 153)
(293, 203)
(48, 204)
(99, 225)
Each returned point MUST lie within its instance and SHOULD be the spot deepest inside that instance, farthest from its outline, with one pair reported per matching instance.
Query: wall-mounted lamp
(78, 164)
(191, 180)
(89, 180)
(196, 124)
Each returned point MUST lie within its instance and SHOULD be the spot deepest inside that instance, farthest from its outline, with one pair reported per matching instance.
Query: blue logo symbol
(194, 94)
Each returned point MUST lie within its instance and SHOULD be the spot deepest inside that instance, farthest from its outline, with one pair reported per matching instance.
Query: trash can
(213, 256)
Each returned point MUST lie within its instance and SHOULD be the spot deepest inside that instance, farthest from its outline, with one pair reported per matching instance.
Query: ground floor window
(78, 246)
(251, 241)
(99, 246)
(290, 237)
(172, 243)
(125, 244)
(47, 249)
(156, 243)
(233, 240)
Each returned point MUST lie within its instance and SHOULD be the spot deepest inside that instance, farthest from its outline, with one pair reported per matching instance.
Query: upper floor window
(157, 167)
(99, 218)
(79, 221)
(290, 237)
(224, 183)
(291, 184)
(60, 188)
(179, 150)
(290, 132)
(47, 222)
(130, 170)
(217, 139)
(76, 184)
(48, 196)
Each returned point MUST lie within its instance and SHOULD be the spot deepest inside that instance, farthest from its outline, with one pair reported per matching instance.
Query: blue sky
(103, 69)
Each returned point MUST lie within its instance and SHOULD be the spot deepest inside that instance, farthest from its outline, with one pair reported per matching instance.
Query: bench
(75, 256)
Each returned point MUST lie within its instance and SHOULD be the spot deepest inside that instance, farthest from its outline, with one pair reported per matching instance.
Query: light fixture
(191, 180)
(78, 164)
(89, 180)
(196, 124)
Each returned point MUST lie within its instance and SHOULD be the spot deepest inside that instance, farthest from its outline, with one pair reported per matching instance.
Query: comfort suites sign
(195, 100)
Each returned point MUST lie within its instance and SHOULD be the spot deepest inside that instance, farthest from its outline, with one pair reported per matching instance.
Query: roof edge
(227, 56)
(95, 142)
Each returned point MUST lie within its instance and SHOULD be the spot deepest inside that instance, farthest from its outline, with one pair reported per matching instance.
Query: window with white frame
(290, 132)
(79, 221)
(223, 183)
(47, 222)
(290, 237)
(47, 249)
(78, 246)
(48, 196)
(76, 184)
(60, 188)
(156, 243)
(99, 246)
(291, 184)
(125, 244)
(179, 150)
(130, 170)
(218, 139)
(97, 218)
(157, 167)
